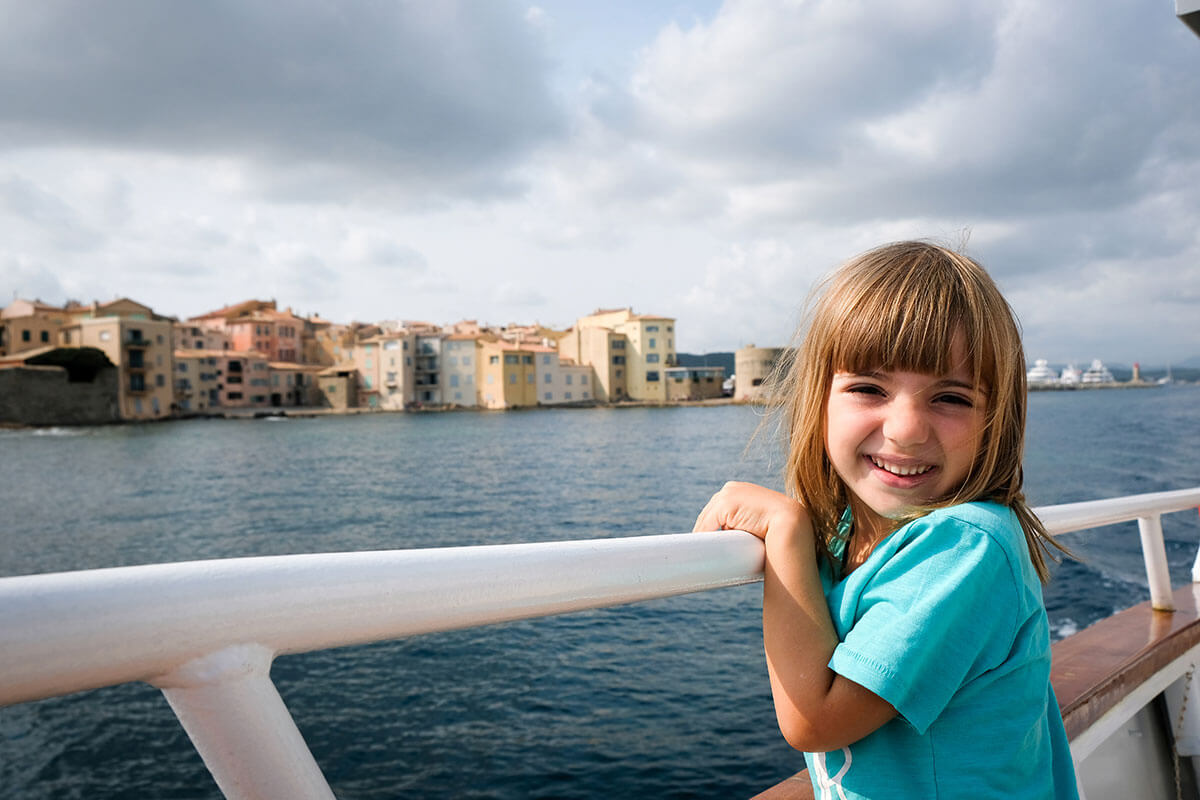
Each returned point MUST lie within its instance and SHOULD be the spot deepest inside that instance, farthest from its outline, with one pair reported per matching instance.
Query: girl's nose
(905, 423)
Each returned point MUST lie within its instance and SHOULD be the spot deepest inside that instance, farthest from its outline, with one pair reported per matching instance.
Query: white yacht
(1097, 373)
(1070, 375)
(1041, 373)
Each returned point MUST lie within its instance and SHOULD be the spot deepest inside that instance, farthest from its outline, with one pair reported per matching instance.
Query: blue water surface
(661, 699)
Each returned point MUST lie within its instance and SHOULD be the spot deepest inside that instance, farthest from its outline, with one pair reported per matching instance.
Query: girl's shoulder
(981, 521)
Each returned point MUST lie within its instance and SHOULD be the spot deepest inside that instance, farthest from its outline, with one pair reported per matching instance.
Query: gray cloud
(442, 93)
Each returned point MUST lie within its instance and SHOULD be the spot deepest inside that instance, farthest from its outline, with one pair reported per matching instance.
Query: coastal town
(120, 361)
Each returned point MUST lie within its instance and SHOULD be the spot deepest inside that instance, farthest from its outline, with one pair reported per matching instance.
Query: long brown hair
(899, 307)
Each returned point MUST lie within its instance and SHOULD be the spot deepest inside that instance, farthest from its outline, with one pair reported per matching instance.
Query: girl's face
(900, 440)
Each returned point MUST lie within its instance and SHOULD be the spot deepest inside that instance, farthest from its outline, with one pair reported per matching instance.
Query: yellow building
(507, 374)
(30, 325)
(628, 352)
(142, 350)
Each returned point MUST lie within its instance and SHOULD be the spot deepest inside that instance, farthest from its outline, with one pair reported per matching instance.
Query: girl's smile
(901, 440)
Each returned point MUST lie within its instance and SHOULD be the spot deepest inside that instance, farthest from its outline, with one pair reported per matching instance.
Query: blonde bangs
(907, 317)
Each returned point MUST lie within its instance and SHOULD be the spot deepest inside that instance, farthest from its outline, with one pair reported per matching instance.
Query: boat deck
(1094, 668)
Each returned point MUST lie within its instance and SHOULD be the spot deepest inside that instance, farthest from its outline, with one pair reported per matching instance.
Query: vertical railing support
(241, 727)
(1154, 552)
(1196, 565)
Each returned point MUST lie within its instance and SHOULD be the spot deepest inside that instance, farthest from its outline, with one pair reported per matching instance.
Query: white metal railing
(206, 632)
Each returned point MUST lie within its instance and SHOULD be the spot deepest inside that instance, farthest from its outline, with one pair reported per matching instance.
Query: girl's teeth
(901, 471)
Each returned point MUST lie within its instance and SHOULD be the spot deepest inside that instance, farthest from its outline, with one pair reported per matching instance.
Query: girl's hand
(754, 509)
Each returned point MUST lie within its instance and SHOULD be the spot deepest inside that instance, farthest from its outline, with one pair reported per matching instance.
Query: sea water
(666, 699)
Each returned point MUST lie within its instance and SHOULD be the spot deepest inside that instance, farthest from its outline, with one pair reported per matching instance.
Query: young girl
(906, 640)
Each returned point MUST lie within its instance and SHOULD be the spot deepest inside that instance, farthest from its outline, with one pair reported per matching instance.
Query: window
(137, 359)
(585, 395)
(566, 395)
(453, 380)
(466, 361)
(652, 376)
(583, 379)
(651, 329)
(458, 395)
(529, 378)
(452, 361)
(182, 366)
(619, 373)
(670, 328)
(137, 383)
(45, 336)
(618, 344)
(653, 343)
(512, 359)
(549, 378)
(526, 359)
(548, 396)
(26, 336)
(391, 377)
(368, 382)
(568, 379)
(618, 359)
(160, 380)
(652, 358)
(546, 358)
(512, 378)
(493, 359)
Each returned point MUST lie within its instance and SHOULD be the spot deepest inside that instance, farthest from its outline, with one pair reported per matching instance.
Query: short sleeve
(938, 611)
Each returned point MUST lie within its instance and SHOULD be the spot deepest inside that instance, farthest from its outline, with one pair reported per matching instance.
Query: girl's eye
(956, 400)
(865, 388)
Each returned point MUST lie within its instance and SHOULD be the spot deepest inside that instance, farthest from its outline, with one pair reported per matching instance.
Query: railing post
(1196, 564)
(1154, 552)
(241, 728)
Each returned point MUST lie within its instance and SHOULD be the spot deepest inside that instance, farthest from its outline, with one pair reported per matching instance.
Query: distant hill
(725, 360)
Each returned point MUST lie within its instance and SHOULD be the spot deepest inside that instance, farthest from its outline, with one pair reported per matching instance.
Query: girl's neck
(866, 532)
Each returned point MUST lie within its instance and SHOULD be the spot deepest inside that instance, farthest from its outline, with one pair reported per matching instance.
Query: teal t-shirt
(945, 621)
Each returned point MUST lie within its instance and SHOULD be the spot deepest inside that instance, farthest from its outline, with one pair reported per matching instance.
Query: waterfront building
(427, 382)
(694, 383)
(752, 367)
(328, 343)
(337, 387)
(628, 353)
(140, 347)
(560, 380)
(507, 375)
(195, 337)
(27, 325)
(293, 384)
(258, 325)
(197, 382)
(385, 370)
(459, 364)
(243, 378)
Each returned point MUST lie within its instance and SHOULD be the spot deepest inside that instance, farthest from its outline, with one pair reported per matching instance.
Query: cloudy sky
(510, 162)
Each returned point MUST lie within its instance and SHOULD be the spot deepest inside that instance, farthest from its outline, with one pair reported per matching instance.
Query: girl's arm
(818, 710)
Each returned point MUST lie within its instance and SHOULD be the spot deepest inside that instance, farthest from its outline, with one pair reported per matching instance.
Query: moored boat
(1041, 374)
